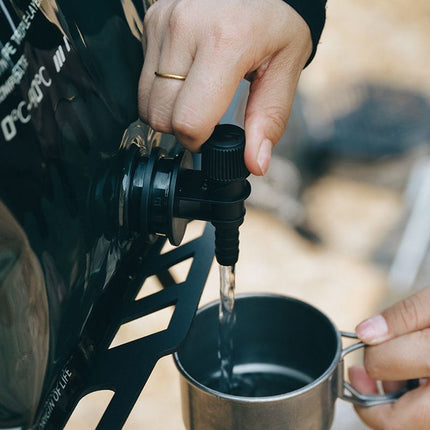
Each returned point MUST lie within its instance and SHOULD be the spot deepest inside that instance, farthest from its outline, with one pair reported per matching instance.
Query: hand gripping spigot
(166, 193)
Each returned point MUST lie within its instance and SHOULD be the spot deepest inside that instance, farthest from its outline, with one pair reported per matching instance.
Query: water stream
(245, 379)
(227, 319)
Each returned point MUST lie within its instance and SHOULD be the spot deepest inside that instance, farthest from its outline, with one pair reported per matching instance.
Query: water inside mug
(260, 380)
(281, 345)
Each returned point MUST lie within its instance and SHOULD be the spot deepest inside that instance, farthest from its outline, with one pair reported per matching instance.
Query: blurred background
(341, 219)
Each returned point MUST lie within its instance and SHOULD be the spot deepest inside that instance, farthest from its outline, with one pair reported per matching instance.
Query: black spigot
(223, 167)
(155, 194)
(167, 193)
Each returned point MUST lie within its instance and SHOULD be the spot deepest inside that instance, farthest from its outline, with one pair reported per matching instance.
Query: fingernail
(373, 330)
(264, 155)
(423, 381)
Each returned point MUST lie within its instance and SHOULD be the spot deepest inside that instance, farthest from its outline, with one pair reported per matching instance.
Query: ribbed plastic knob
(223, 154)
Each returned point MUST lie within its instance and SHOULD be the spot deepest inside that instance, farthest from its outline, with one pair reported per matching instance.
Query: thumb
(269, 105)
(406, 316)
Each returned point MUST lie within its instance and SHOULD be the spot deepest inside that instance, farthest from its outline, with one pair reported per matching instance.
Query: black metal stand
(126, 368)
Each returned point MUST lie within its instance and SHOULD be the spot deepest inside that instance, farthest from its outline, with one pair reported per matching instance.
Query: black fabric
(313, 12)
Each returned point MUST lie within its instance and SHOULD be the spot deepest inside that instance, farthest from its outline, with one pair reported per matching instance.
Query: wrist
(314, 14)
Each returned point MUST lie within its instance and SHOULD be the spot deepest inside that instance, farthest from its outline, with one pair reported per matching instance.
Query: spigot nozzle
(223, 166)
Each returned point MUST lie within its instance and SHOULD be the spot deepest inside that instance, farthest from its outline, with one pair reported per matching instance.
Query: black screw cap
(223, 154)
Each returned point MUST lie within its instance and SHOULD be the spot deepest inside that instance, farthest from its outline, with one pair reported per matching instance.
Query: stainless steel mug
(289, 359)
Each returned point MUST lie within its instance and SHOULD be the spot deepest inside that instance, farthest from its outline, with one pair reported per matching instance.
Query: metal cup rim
(266, 399)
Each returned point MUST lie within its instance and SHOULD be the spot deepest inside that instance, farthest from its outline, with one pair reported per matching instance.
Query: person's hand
(215, 44)
(400, 339)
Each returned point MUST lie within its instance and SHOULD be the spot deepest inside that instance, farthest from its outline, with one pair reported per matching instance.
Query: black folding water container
(71, 263)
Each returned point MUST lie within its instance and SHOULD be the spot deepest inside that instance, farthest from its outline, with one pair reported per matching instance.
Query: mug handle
(350, 394)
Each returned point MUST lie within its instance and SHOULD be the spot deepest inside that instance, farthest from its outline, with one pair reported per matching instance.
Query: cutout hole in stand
(89, 410)
(152, 285)
(181, 270)
(142, 327)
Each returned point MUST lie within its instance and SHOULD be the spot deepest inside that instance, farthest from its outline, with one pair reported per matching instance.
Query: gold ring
(170, 76)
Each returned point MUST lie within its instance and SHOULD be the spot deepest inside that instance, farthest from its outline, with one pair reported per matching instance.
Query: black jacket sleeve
(313, 12)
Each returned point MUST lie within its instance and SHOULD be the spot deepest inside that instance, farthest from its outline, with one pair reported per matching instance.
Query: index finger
(409, 315)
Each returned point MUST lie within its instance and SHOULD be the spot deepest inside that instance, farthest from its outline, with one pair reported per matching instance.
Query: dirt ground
(350, 207)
